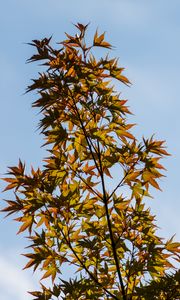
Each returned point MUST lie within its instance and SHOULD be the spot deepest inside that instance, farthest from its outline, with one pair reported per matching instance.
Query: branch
(68, 242)
(120, 183)
(90, 145)
(129, 271)
(85, 268)
(113, 244)
(85, 182)
(105, 200)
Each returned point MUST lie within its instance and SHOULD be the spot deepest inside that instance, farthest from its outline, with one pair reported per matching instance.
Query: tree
(76, 212)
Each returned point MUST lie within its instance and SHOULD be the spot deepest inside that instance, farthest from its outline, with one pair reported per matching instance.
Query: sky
(146, 36)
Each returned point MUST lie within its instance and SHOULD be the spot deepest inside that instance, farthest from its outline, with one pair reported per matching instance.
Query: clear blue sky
(146, 35)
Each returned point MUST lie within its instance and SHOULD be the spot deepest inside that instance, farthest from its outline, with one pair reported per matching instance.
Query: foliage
(76, 212)
(166, 288)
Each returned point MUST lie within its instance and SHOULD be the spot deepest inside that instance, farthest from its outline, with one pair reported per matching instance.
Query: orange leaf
(154, 183)
(106, 171)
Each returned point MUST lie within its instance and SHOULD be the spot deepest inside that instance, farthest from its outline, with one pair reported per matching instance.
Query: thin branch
(90, 145)
(105, 200)
(85, 268)
(130, 264)
(113, 244)
(85, 182)
(120, 183)
(68, 242)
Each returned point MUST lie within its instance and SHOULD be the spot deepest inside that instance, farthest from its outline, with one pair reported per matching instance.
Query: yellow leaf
(173, 247)
(146, 175)
(71, 72)
(132, 176)
(47, 274)
(123, 79)
(26, 224)
(125, 133)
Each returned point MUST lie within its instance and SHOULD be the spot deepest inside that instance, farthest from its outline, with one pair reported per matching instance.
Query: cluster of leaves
(167, 287)
(73, 216)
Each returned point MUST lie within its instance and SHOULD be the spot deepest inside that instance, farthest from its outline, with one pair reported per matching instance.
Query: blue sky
(146, 36)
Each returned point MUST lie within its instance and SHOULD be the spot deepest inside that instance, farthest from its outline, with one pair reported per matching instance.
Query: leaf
(10, 186)
(122, 205)
(123, 79)
(106, 171)
(30, 264)
(175, 247)
(89, 169)
(51, 272)
(154, 183)
(71, 72)
(27, 224)
(123, 133)
(99, 41)
(132, 176)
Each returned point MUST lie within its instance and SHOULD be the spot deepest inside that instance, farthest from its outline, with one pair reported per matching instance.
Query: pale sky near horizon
(146, 36)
